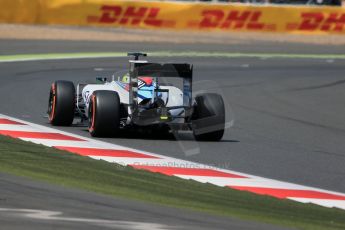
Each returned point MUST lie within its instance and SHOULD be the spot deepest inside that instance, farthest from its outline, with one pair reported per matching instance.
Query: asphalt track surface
(288, 113)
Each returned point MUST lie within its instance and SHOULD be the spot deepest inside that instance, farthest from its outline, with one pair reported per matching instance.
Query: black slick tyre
(208, 121)
(104, 113)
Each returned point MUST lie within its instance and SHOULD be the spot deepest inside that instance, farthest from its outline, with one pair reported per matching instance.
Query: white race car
(139, 99)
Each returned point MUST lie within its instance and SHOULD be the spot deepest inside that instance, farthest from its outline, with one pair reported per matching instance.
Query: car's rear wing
(163, 70)
(156, 70)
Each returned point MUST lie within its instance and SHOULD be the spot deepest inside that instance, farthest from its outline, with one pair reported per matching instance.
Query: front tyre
(61, 103)
(104, 113)
(208, 120)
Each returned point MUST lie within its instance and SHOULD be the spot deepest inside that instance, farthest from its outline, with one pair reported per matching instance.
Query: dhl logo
(323, 22)
(234, 19)
(131, 15)
(219, 19)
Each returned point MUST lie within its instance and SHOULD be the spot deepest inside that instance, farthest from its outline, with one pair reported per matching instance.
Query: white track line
(253, 182)
(19, 128)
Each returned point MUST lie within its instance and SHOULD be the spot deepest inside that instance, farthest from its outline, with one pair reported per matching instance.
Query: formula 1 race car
(139, 100)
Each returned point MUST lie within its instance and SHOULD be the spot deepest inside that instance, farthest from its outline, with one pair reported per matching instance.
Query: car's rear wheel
(208, 119)
(104, 113)
(61, 104)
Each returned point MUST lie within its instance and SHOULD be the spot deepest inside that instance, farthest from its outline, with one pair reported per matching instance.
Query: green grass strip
(61, 56)
(70, 170)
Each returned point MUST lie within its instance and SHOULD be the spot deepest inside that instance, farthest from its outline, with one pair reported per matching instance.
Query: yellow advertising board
(19, 11)
(179, 16)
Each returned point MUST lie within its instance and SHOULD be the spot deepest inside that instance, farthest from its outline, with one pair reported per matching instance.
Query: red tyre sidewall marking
(92, 127)
(52, 112)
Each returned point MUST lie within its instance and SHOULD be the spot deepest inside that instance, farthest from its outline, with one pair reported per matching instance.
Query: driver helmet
(125, 78)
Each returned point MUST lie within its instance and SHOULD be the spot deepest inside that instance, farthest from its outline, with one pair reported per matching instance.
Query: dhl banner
(176, 15)
(18, 11)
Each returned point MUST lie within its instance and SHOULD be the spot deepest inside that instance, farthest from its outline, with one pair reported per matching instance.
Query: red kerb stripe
(285, 193)
(104, 152)
(38, 135)
(170, 171)
(4, 121)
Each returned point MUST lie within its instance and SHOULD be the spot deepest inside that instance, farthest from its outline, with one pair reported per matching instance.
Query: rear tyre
(208, 119)
(104, 113)
(61, 103)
